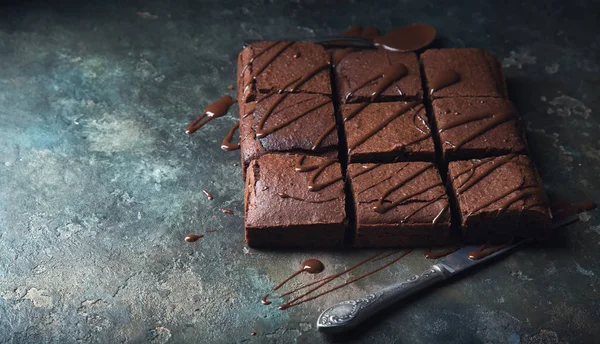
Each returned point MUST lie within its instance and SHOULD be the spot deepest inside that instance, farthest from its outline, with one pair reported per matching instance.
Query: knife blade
(350, 313)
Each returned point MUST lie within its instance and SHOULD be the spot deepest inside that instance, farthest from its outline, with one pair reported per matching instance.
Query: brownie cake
(499, 199)
(288, 123)
(399, 205)
(359, 75)
(387, 132)
(462, 73)
(266, 67)
(294, 201)
(477, 127)
(398, 115)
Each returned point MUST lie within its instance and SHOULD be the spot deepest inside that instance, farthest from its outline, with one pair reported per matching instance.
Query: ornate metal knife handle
(348, 314)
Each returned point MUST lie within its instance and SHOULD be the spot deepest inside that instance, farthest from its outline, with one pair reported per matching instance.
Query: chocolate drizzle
(213, 110)
(494, 121)
(318, 169)
(407, 38)
(193, 237)
(413, 107)
(484, 251)
(443, 79)
(311, 266)
(390, 75)
(226, 144)
(304, 297)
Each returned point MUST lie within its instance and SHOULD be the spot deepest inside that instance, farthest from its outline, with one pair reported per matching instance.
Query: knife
(332, 41)
(348, 314)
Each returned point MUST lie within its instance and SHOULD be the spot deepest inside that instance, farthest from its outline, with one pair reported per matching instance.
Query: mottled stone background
(99, 184)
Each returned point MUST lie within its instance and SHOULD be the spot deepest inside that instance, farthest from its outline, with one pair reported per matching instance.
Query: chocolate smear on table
(226, 144)
(193, 237)
(563, 209)
(227, 211)
(213, 110)
(311, 266)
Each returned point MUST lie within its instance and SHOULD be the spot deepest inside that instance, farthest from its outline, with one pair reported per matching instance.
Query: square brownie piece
(499, 198)
(387, 132)
(266, 67)
(476, 127)
(288, 123)
(463, 72)
(400, 205)
(393, 75)
(294, 201)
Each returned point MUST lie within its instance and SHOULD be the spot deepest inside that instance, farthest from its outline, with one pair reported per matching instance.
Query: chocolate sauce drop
(193, 237)
(253, 333)
(213, 110)
(208, 195)
(226, 144)
(429, 254)
(227, 211)
(313, 266)
(443, 79)
(265, 301)
(407, 38)
(484, 251)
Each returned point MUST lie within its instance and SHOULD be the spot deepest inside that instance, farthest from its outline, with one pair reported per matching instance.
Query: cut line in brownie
(294, 201)
(462, 72)
(376, 75)
(282, 66)
(387, 132)
(400, 205)
(288, 123)
(499, 199)
(477, 127)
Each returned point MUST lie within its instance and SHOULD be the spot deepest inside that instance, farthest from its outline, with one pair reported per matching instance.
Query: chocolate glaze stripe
(261, 132)
(286, 196)
(213, 110)
(493, 165)
(383, 124)
(445, 78)
(266, 49)
(425, 205)
(226, 144)
(390, 75)
(323, 136)
(365, 170)
(270, 60)
(381, 181)
(299, 300)
(318, 168)
(381, 208)
(495, 121)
